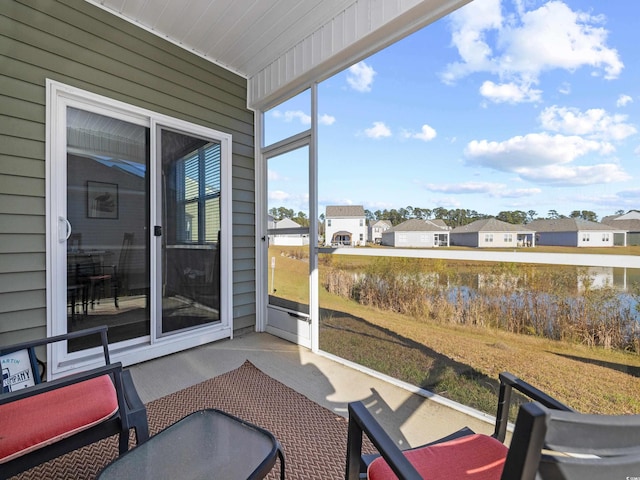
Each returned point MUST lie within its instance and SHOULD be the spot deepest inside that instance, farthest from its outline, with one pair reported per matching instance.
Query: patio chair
(546, 444)
(51, 418)
(362, 421)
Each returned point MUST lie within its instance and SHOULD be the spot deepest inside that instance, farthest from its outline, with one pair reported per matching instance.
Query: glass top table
(207, 444)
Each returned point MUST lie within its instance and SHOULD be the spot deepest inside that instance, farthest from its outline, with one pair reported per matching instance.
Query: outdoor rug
(314, 439)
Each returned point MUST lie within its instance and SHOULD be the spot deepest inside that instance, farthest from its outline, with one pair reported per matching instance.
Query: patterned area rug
(314, 439)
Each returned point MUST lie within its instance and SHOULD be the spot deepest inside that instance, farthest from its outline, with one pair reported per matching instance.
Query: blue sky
(502, 105)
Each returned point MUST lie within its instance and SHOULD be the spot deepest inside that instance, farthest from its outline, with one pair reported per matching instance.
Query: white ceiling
(241, 35)
(254, 37)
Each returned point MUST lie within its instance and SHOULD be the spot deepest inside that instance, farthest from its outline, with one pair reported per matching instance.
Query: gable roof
(381, 223)
(344, 211)
(566, 225)
(287, 223)
(629, 221)
(417, 225)
(491, 225)
(440, 223)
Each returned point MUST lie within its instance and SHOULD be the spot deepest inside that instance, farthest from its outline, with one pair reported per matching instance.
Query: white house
(572, 232)
(289, 233)
(491, 232)
(417, 233)
(376, 229)
(345, 225)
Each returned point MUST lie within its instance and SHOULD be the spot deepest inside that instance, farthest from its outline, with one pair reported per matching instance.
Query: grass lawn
(462, 362)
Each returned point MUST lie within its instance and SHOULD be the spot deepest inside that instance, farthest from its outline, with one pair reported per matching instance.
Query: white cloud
(623, 100)
(594, 123)
(427, 133)
(291, 115)
(326, 119)
(509, 92)
(547, 159)
(379, 130)
(526, 44)
(360, 77)
(576, 175)
(532, 149)
(302, 117)
(272, 175)
(499, 190)
(465, 187)
(519, 193)
(279, 195)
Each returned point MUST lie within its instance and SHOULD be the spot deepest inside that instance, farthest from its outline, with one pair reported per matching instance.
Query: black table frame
(261, 471)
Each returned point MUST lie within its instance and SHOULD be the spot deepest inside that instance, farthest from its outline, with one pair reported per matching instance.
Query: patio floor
(411, 419)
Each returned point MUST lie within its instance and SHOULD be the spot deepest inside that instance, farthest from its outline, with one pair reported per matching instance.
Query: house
(626, 226)
(491, 232)
(418, 233)
(572, 232)
(345, 225)
(287, 232)
(131, 139)
(376, 229)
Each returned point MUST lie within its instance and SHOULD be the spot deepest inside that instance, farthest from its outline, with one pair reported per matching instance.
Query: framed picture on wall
(102, 200)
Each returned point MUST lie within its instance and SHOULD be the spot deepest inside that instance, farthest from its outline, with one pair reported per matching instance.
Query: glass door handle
(64, 229)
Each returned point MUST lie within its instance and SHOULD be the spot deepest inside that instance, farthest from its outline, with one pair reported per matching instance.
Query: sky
(501, 105)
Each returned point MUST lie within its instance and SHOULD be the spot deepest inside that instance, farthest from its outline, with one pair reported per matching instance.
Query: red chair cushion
(472, 457)
(45, 418)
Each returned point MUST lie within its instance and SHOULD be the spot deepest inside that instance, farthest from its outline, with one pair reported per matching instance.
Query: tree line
(458, 216)
(453, 217)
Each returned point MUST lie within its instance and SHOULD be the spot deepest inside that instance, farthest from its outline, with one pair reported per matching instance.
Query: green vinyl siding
(79, 44)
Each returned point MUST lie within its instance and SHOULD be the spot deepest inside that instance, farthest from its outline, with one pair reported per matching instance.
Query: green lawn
(462, 362)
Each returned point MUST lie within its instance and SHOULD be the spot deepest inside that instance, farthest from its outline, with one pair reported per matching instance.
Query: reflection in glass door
(288, 245)
(191, 220)
(107, 214)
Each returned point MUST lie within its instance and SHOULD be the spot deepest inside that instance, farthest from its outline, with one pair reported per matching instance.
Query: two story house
(377, 229)
(345, 226)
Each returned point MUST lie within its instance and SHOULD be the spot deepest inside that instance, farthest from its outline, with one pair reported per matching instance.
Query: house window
(362, 222)
(488, 237)
(402, 237)
(328, 222)
(585, 237)
(198, 202)
(361, 237)
(605, 237)
(508, 238)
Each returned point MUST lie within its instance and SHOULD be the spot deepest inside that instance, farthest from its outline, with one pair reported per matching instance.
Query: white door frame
(58, 97)
(307, 138)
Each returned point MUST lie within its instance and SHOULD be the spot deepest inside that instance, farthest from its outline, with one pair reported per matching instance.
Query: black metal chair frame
(362, 421)
(559, 445)
(131, 413)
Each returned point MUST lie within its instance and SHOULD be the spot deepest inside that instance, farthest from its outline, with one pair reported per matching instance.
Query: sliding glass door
(107, 214)
(139, 228)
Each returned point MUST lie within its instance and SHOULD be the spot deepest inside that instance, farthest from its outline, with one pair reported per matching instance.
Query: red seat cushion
(472, 457)
(45, 418)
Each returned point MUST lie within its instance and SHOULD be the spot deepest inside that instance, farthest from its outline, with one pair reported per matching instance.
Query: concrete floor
(411, 419)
